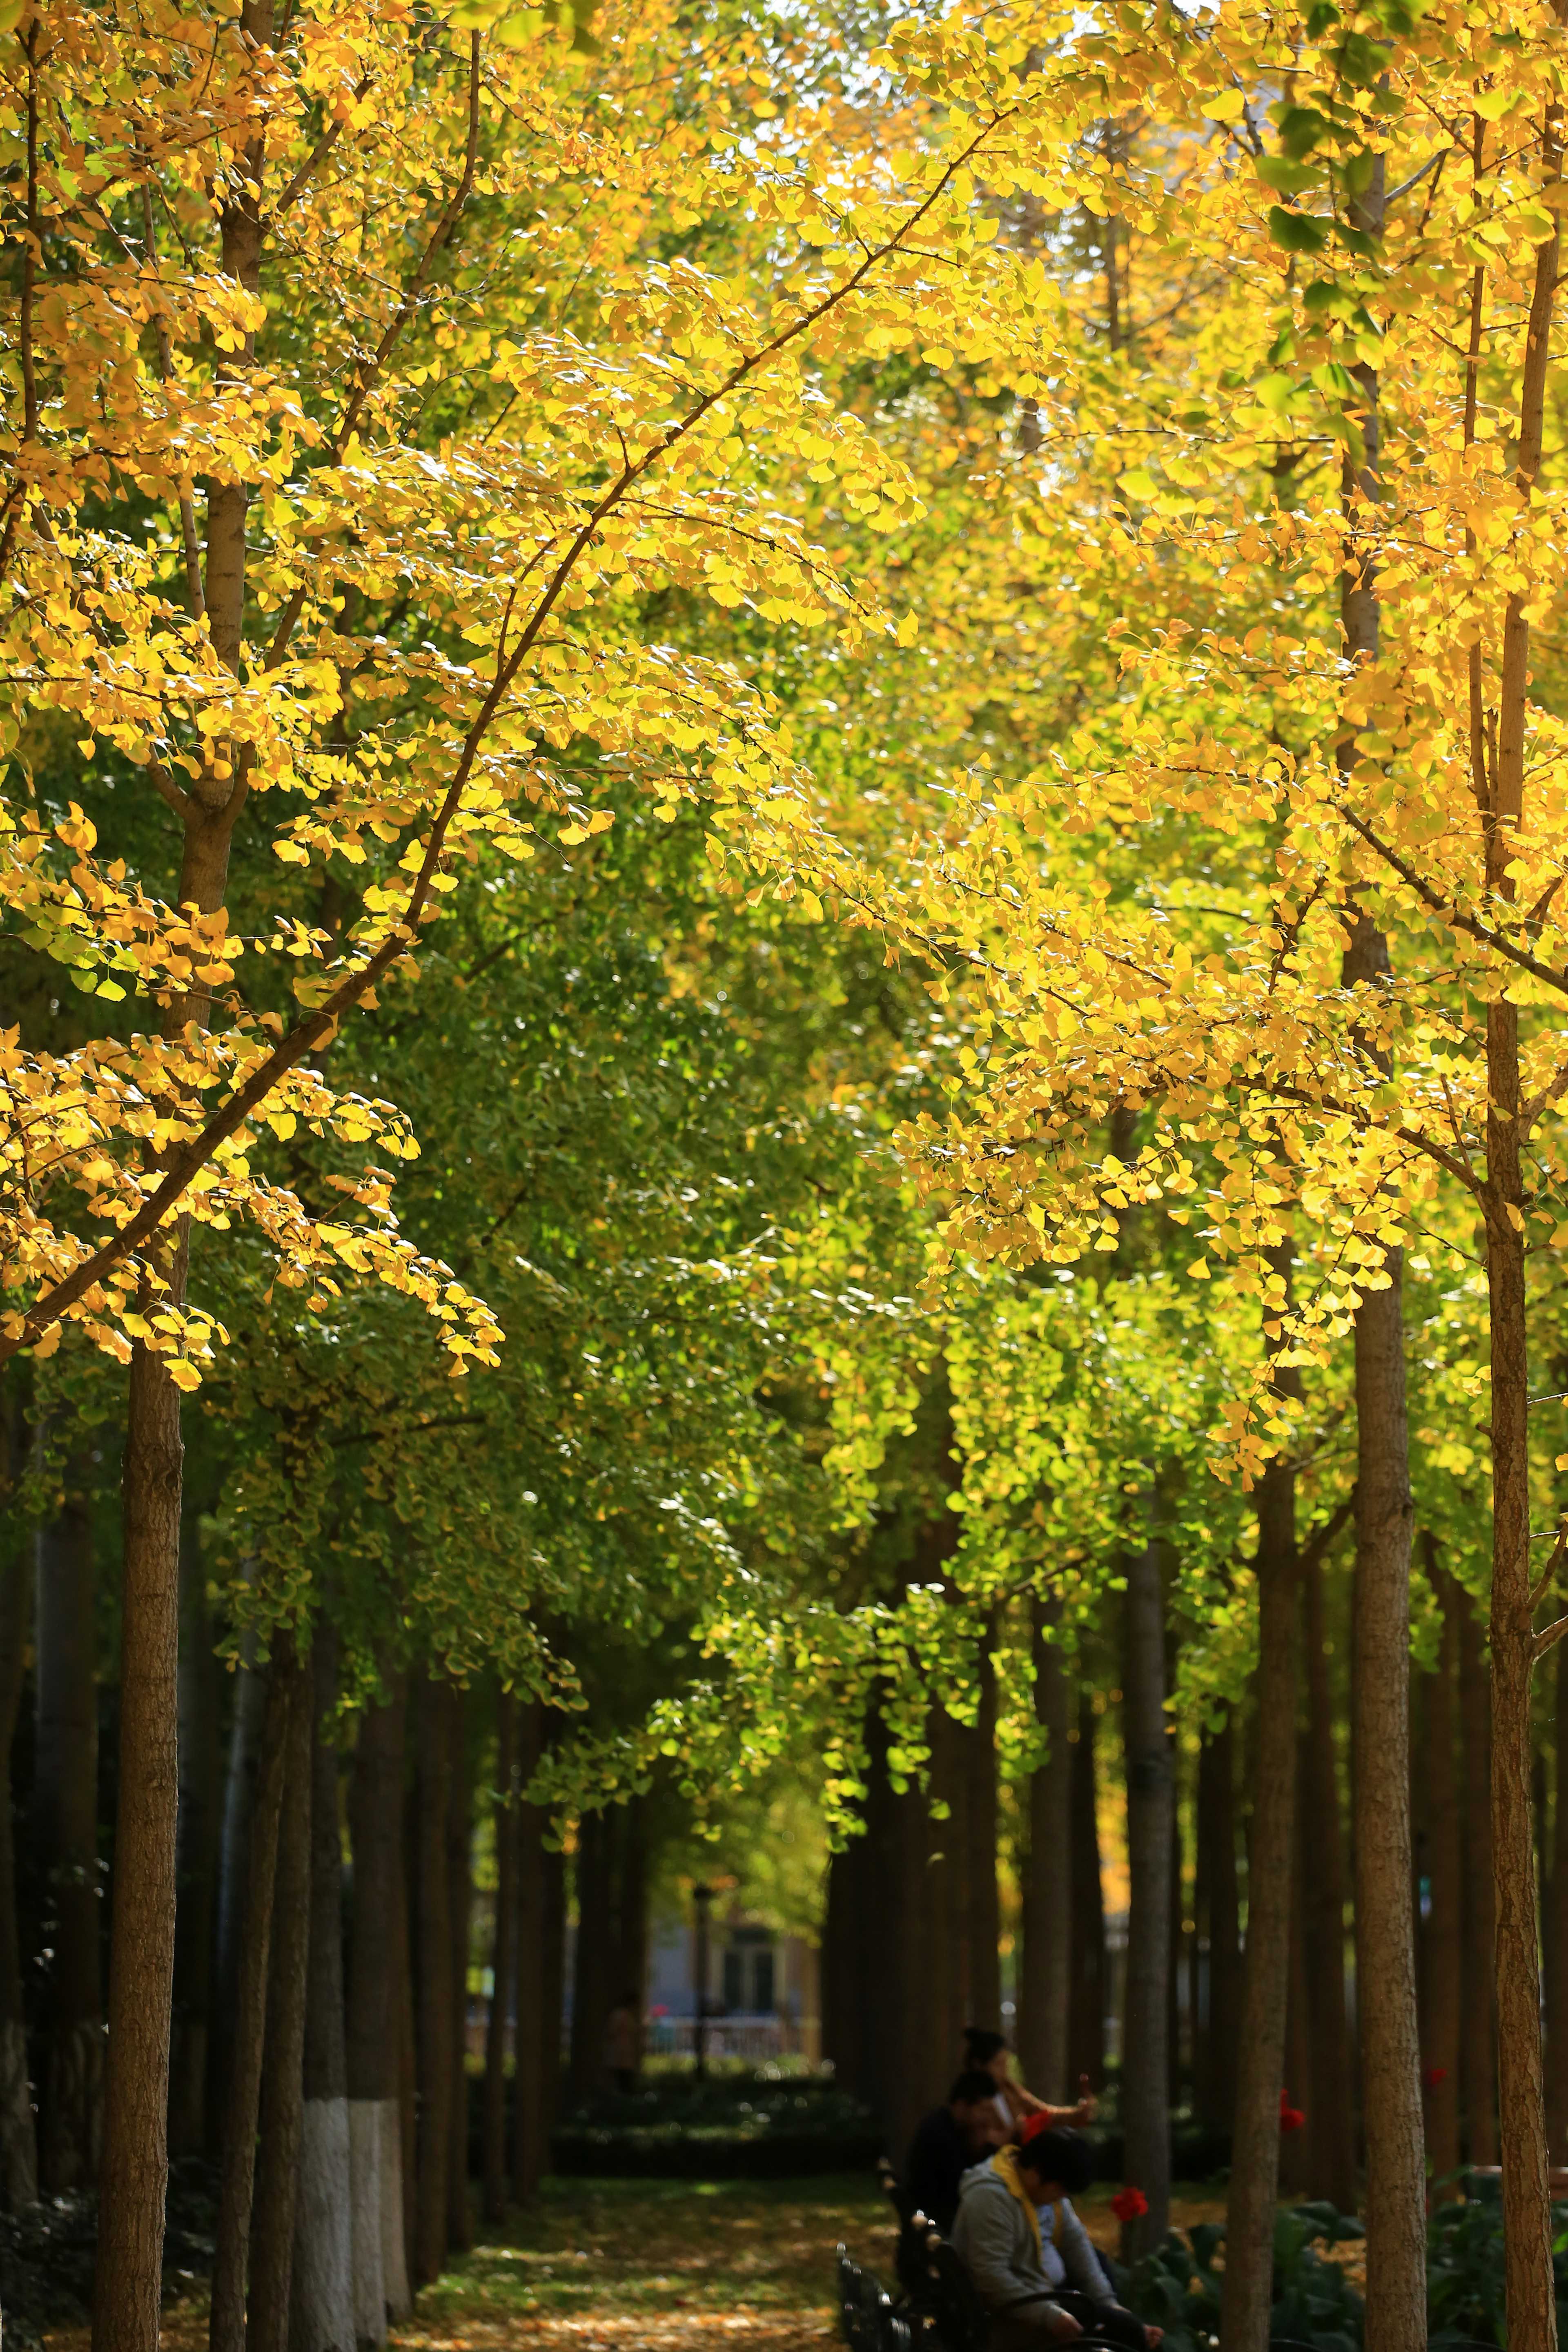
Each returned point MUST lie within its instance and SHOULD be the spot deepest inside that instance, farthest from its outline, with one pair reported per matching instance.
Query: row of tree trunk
(911, 1928)
(321, 1963)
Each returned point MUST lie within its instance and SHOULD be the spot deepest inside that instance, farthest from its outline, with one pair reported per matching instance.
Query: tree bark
(1330, 2085)
(1216, 1828)
(460, 1899)
(1445, 1925)
(1296, 2154)
(379, 1925)
(630, 1971)
(65, 1835)
(1557, 1937)
(552, 2000)
(1395, 2206)
(195, 1853)
(1046, 1930)
(134, 2175)
(529, 2100)
(249, 1699)
(590, 1993)
(282, 2079)
(1085, 2015)
(982, 1910)
(1478, 2037)
(320, 2315)
(1395, 2210)
(18, 2144)
(231, 2254)
(435, 1998)
(1530, 2291)
(1145, 2068)
(128, 2276)
(1248, 2278)
(503, 1956)
(400, 2221)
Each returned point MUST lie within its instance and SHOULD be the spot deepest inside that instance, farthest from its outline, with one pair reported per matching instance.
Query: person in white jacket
(1032, 2261)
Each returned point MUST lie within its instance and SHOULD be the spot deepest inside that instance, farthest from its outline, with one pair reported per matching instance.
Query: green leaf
(1287, 179)
(1297, 232)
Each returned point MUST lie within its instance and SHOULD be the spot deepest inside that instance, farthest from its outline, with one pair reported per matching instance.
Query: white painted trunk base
(320, 2301)
(394, 2258)
(364, 2205)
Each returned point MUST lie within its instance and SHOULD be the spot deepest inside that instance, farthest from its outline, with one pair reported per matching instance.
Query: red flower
(1128, 2204)
(1290, 2118)
(1433, 2075)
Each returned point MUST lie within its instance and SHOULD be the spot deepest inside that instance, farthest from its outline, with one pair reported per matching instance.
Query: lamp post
(702, 1896)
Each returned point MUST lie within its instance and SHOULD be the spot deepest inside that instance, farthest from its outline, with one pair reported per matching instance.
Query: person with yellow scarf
(1030, 2257)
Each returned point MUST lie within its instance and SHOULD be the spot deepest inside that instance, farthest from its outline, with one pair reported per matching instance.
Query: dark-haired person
(989, 2051)
(1030, 2257)
(946, 2143)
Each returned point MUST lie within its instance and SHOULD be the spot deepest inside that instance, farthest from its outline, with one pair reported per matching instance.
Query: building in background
(763, 1997)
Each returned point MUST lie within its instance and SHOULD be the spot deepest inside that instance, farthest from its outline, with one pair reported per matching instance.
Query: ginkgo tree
(1369, 1021)
(319, 524)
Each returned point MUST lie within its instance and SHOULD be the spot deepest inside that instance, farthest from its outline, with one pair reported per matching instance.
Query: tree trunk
(1557, 1937)
(19, 2145)
(1330, 2087)
(1297, 2157)
(945, 1905)
(65, 1832)
(551, 2006)
(128, 2275)
(1145, 2066)
(134, 2174)
(1046, 1935)
(1395, 2206)
(282, 2079)
(435, 2002)
(529, 2124)
(1086, 2012)
(250, 1689)
(400, 2163)
(379, 1927)
(983, 1922)
(503, 1956)
(461, 1900)
(195, 1853)
(1248, 2276)
(590, 1993)
(1477, 2041)
(1216, 1829)
(1445, 1925)
(630, 1971)
(231, 2254)
(320, 2315)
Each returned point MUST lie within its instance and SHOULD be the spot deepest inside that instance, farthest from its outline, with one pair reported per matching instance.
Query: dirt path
(654, 2266)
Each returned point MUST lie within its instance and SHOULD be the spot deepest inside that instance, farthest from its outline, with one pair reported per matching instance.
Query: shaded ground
(678, 2266)
(670, 2265)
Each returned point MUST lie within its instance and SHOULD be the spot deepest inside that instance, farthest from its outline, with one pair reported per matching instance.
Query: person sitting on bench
(986, 2048)
(1030, 2257)
(946, 2143)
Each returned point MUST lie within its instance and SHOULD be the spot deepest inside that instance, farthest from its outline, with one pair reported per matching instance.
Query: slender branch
(32, 246)
(165, 374)
(314, 160)
(1322, 1538)
(1547, 1639)
(368, 376)
(1450, 913)
(185, 1161)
